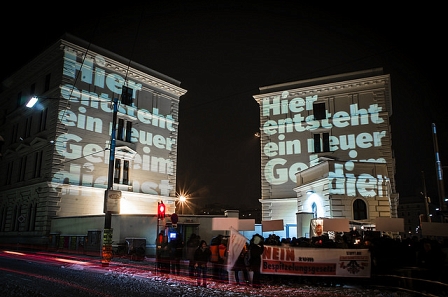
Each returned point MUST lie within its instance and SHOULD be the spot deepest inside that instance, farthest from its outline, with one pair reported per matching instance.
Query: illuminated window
(126, 172)
(121, 172)
(321, 142)
(359, 210)
(124, 130)
(319, 111)
(117, 171)
(314, 209)
(126, 95)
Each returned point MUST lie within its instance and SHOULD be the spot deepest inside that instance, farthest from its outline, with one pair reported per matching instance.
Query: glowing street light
(32, 102)
(182, 200)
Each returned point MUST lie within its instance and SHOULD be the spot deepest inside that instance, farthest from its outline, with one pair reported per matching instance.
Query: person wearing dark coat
(192, 244)
(176, 248)
(163, 250)
(201, 258)
(256, 248)
(216, 259)
(240, 265)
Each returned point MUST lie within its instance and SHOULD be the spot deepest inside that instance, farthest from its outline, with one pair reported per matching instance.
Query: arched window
(359, 210)
(314, 209)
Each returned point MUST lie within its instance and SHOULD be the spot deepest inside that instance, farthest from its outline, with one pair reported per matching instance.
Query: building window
(47, 82)
(37, 164)
(43, 120)
(314, 210)
(124, 130)
(31, 217)
(32, 90)
(321, 142)
(15, 133)
(17, 214)
(19, 100)
(27, 128)
(9, 168)
(117, 171)
(126, 95)
(319, 111)
(121, 172)
(359, 210)
(3, 218)
(22, 169)
(126, 172)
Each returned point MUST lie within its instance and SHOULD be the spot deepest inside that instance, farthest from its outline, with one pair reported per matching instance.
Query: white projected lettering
(291, 126)
(91, 111)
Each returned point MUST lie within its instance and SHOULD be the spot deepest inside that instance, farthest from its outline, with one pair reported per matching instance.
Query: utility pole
(106, 253)
(439, 173)
(428, 217)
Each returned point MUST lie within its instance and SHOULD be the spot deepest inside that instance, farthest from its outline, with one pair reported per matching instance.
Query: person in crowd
(222, 262)
(256, 248)
(355, 237)
(202, 257)
(159, 241)
(164, 255)
(192, 244)
(215, 259)
(432, 258)
(176, 248)
(240, 265)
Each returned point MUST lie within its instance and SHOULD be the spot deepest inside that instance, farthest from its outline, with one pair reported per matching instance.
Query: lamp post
(109, 195)
(106, 252)
(439, 173)
(428, 217)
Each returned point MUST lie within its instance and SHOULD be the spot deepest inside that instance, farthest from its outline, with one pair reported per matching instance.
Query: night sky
(223, 51)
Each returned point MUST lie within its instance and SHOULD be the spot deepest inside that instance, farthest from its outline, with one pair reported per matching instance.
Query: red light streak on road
(46, 258)
(58, 281)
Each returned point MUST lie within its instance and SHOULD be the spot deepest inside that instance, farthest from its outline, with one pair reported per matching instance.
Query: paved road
(45, 274)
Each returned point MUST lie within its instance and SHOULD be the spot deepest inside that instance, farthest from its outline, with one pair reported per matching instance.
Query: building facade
(326, 150)
(56, 155)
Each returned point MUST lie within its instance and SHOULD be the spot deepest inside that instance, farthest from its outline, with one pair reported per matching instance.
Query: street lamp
(182, 200)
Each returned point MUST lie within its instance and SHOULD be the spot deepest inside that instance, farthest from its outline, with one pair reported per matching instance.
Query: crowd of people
(208, 261)
(426, 257)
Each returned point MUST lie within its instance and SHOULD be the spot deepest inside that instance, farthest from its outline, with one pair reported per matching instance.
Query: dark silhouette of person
(432, 258)
(256, 248)
(163, 255)
(201, 258)
(192, 244)
(240, 265)
(176, 248)
(215, 259)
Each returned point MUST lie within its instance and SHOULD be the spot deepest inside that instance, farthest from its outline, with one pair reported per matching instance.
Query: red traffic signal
(161, 210)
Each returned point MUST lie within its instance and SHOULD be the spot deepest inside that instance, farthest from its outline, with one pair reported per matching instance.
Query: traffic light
(161, 210)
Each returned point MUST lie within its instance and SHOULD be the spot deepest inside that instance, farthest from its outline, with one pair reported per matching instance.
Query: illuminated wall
(56, 154)
(343, 118)
(146, 148)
